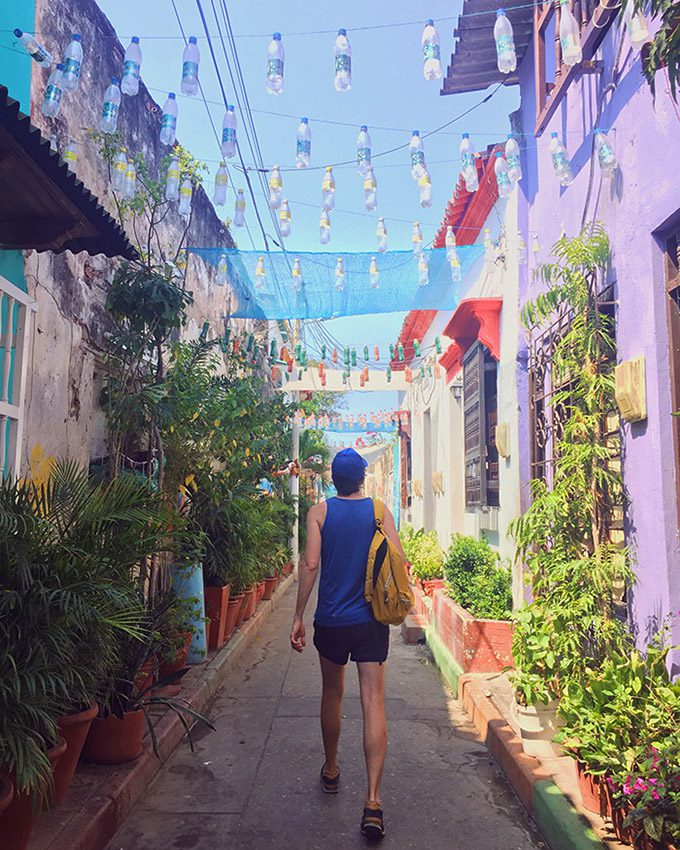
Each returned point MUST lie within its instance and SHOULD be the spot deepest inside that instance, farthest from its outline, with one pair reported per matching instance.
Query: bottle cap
(192, 39)
(430, 22)
(277, 36)
(223, 164)
(498, 154)
(18, 33)
(510, 136)
(304, 120)
(553, 135)
(500, 13)
(466, 135)
(597, 130)
(230, 107)
(115, 81)
(171, 95)
(342, 31)
(415, 132)
(135, 39)
(364, 128)
(60, 66)
(75, 37)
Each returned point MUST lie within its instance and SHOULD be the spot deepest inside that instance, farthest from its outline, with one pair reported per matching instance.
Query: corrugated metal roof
(473, 63)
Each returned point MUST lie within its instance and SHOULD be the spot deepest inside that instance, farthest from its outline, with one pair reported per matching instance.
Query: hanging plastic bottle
(53, 92)
(328, 190)
(132, 64)
(605, 153)
(221, 183)
(130, 182)
(560, 161)
(324, 228)
(456, 273)
(374, 277)
(185, 193)
(636, 25)
(417, 153)
(284, 219)
(432, 66)
(503, 180)
(275, 188)
(416, 347)
(169, 120)
(108, 121)
(190, 59)
(512, 158)
(416, 238)
(505, 43)
(388, 374)
(118, 169)
(521, 250)
(376, 354)
(260, 280)
(370, 190)
(469, 163)
(423, 270)
(228, 146)
(363, 150)
(172, 181)
(73, 63)
(381, 234)
(303, 152)
(425, 190)
(343, 62)
(35, 50)
(297, 276)
(239, 209)
(570, 35)
(450, 242)
(535, 246)
(366, 347)
(70, 155)
(222, 271)
(354, 357)
(340, 282)
(275, 59)
(400, 352)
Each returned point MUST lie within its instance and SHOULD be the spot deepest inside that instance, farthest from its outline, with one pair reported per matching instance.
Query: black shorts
(363, 642)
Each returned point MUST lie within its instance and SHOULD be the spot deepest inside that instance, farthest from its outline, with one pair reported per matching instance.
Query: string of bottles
(382, 419)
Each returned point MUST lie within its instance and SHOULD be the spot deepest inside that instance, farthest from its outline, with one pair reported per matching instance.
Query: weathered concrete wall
(639, 202)
(63, 415)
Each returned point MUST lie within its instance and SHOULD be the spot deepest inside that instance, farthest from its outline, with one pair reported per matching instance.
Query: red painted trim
(475, 319)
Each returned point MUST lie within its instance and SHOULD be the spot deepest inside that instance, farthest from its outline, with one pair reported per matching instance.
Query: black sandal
(330, 786)
(372, 823)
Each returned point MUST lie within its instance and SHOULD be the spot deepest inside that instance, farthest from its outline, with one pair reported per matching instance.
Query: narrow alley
(254, 782)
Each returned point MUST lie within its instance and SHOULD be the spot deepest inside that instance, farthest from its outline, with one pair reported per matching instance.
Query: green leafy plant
(423, 552)
(653, 790)
(663, 49)
(476, 579)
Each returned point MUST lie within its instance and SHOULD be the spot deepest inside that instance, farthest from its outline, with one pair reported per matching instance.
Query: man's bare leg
(333, 676)
(372, 687)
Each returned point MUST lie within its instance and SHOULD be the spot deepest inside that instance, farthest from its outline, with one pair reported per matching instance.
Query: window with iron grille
(672, 262)
(480, 414)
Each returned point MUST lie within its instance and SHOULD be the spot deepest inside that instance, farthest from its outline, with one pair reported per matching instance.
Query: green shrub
(476, 579)
(422, 552)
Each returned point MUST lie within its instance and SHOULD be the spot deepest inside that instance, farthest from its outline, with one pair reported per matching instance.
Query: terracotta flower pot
(618, 816)
(233, 608)
(216, 599)
(538, 724)
(113, 741)
(73, 728)
(269, 587)
(589, 787)
(6, 792)
(260, 591)
(167, 668)
(432, 584)
(251, 597)
(144, 679)
(21, 813)
(241, 614)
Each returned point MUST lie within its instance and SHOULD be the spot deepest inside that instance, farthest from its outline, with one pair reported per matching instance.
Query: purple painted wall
(634, 208)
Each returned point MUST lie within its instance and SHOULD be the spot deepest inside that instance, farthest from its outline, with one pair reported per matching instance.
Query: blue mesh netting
(398, 290)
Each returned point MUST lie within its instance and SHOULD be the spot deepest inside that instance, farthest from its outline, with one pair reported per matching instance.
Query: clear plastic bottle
(363, 149)
(432, 66)
(276, 56)
(339, 275)
(456, 274)
(284, 219)
(185, 193)
(70, 155)
(328, 190)
(605, 153)
(296, 274)
(416, 238)
(425, 189)
(343, 62)
(417, 154)
(221, 183)
(130, 182)
(512, 158)
(423, 270)
(324, 228)
(37, 52)
(275, 188)
(505, 43)
(468, 163)
(503, 180)
(370, 190)
(239, 209)
(228, 146)
(535, 246)
(108, 121)
(637, 26)
(222, 271)
(73, 62)
(303, 151)
(450, 242)
(172, 181)
(560, 161)
(169, 120)
(489, 249)
(132, 64)
(373, 274)
(190, 60)
(521, 250)
(53, 92)
(381, 235)
(570, 35)
(260, 274)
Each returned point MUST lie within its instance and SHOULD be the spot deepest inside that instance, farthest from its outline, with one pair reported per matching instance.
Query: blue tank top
(345, 540)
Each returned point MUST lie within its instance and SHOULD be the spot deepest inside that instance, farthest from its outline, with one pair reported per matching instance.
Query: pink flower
(627, 789)
(655, 795)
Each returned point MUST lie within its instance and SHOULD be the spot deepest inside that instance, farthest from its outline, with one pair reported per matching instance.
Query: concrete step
(413, 629)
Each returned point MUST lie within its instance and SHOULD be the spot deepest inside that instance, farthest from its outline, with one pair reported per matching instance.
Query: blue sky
(389, 94)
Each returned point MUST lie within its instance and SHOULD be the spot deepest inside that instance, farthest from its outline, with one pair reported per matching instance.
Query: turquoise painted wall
(15, 73)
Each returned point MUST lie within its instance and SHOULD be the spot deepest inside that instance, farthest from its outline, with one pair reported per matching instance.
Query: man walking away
(339, 535)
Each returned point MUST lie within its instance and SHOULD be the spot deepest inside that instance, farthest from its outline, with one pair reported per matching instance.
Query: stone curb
(102, 813)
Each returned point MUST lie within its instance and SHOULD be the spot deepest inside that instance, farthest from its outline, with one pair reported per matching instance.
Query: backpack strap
(378, 512)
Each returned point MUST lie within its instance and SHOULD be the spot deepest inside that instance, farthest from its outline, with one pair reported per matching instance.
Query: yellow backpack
(387, 588)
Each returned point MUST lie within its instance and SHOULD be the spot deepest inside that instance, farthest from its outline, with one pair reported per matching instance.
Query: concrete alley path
(253, 784)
